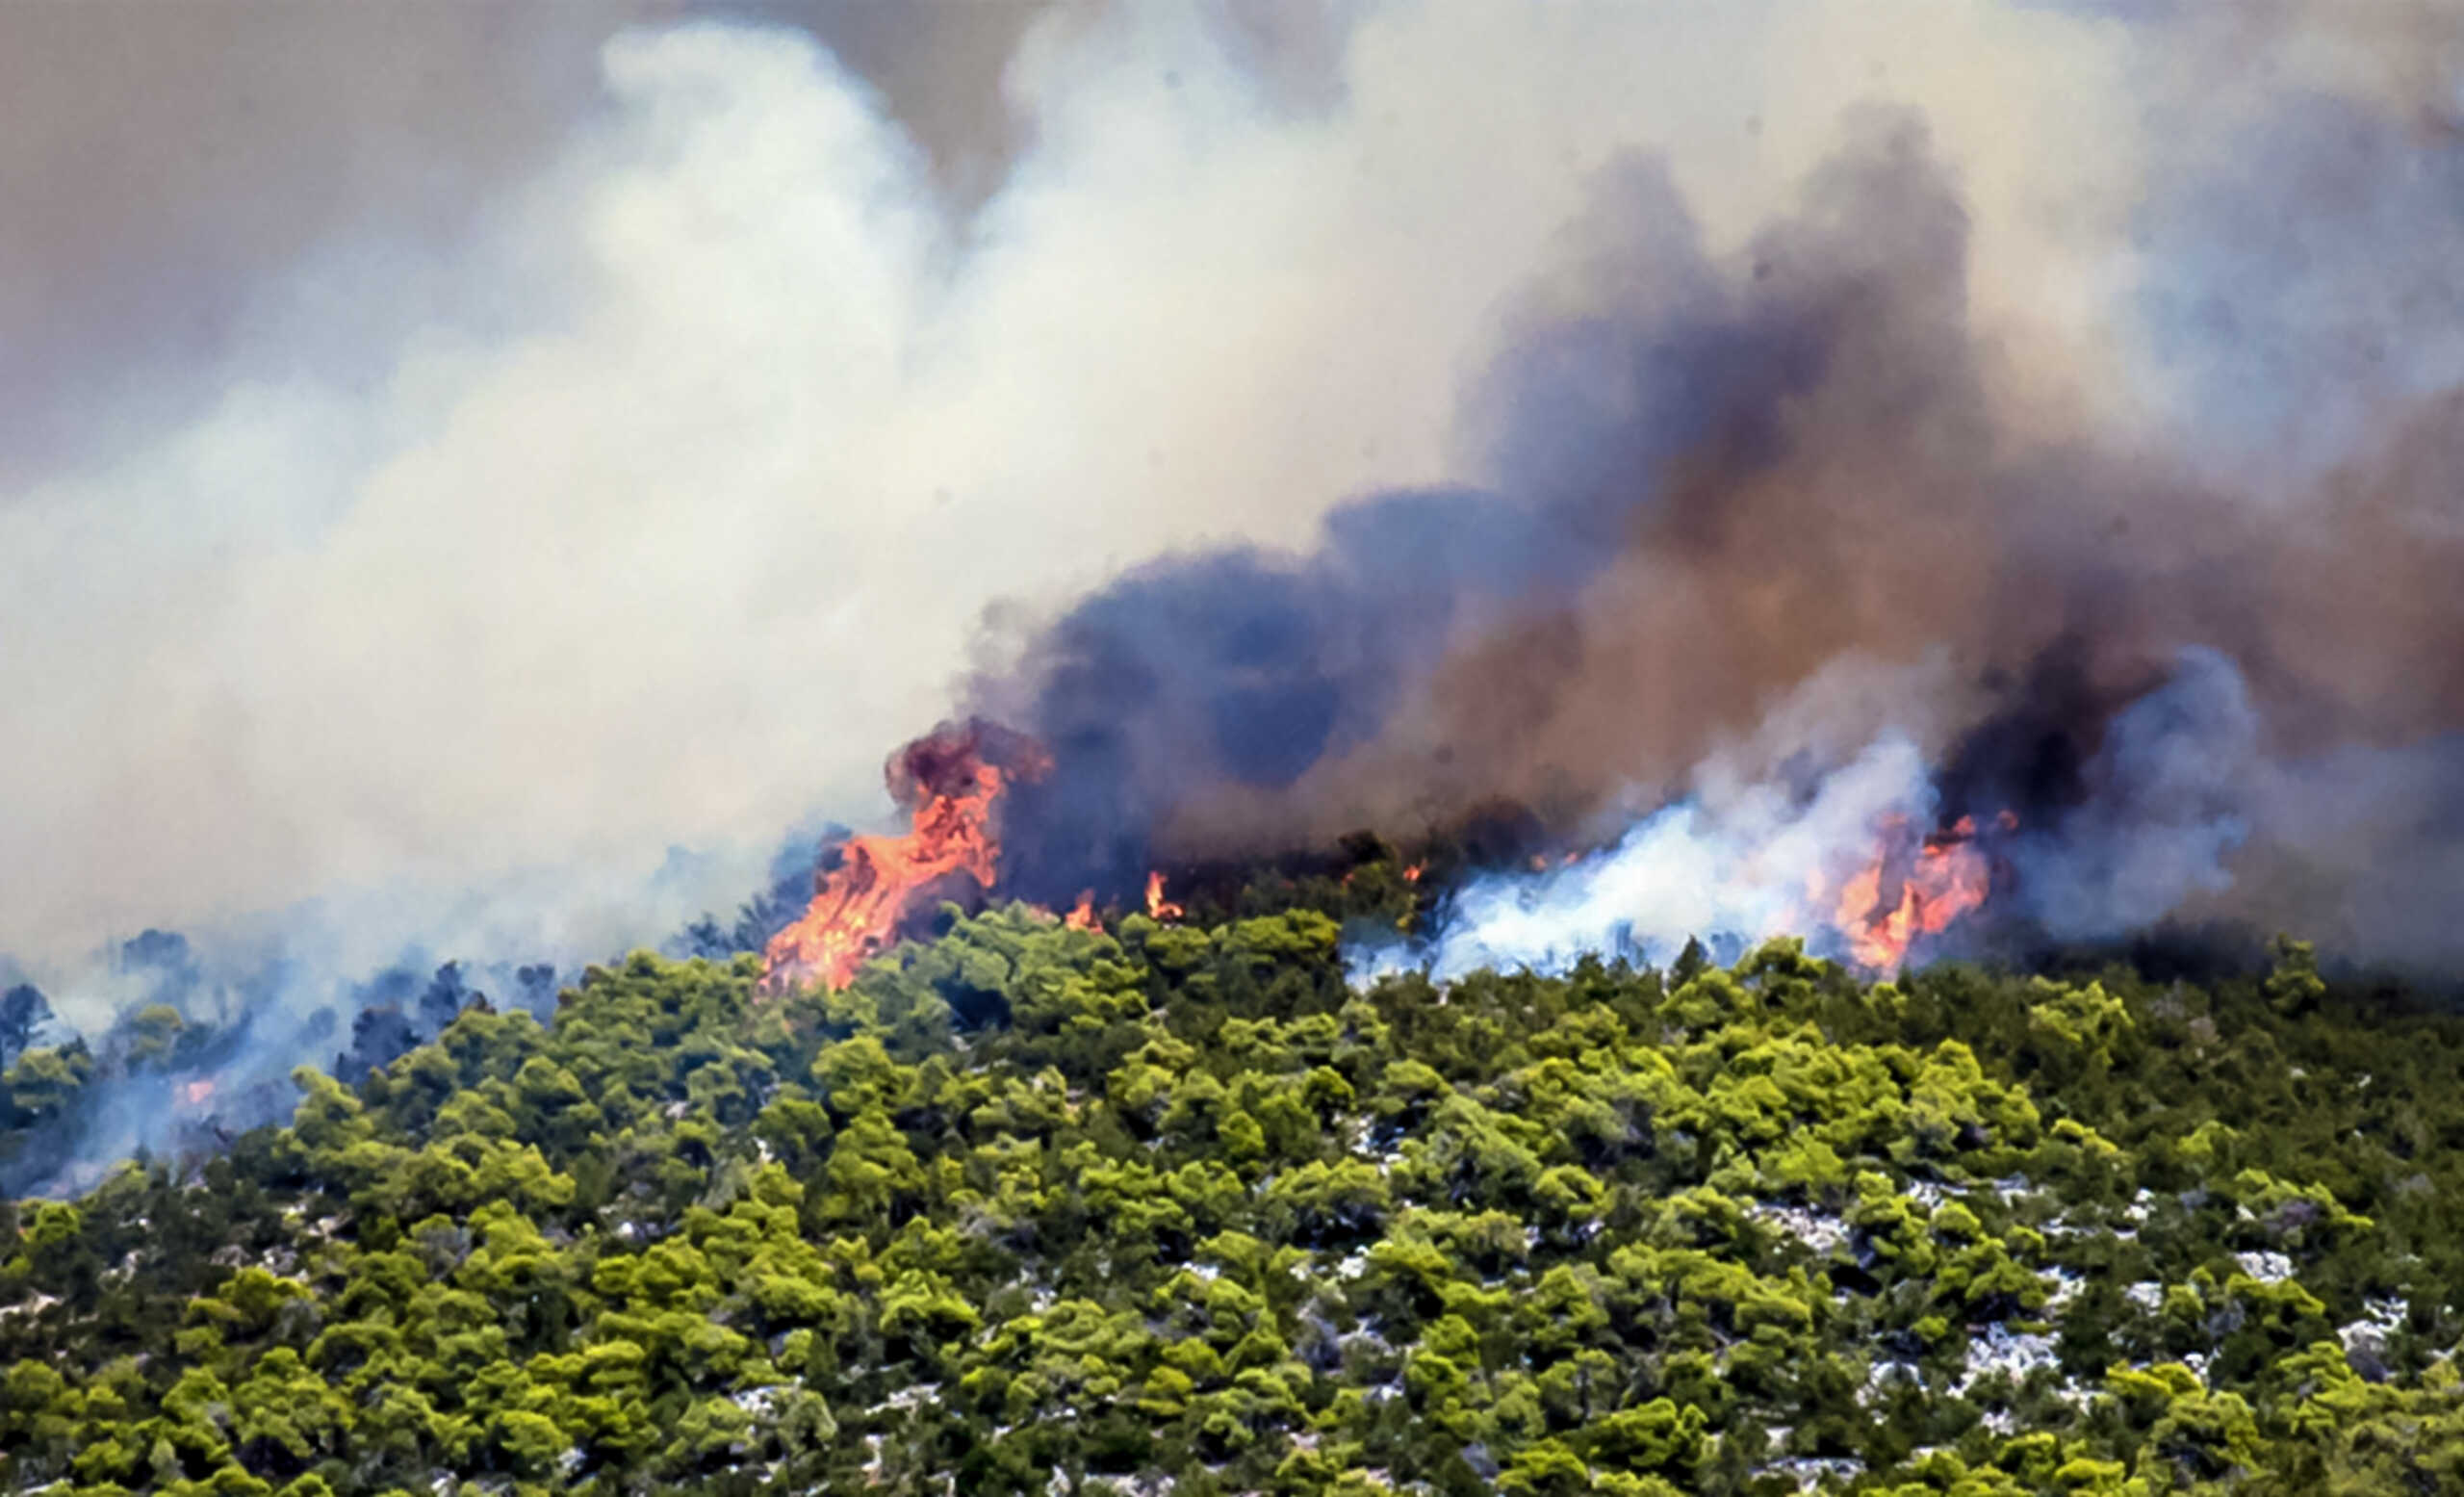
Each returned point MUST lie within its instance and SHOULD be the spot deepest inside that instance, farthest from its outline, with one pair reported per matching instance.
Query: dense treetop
(1176, 1206)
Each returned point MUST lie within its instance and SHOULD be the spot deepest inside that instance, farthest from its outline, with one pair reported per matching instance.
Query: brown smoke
(1855, 469)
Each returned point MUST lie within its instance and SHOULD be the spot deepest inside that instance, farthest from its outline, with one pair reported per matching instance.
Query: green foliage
(1029, 1208)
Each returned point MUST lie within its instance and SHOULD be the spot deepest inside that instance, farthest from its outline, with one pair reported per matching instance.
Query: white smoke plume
(497, 553)
(1769, 833)
(1732, 866)
(479, 532)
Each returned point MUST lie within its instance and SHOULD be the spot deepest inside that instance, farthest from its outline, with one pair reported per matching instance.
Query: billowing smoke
(1732, 866)
(2047, 844)
(1717, 471)
(2165, 799)
(491, 555)
(475, 538)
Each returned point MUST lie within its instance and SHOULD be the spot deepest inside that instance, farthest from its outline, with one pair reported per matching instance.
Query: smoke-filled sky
(492, 469)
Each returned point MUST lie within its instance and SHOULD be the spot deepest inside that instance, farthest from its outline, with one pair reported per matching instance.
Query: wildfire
(952, 779)
(1908, 891)
(198, 1093)
(1157, 906)
(1082, 915)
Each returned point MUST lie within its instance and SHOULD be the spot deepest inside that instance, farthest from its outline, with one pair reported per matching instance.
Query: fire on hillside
(1902, 888)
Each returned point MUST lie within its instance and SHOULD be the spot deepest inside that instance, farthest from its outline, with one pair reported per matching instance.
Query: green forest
(1177, 1208)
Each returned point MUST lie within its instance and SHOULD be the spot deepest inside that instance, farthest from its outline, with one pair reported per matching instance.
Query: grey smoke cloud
(176, 171)
(166, 166)
(475, 451)
(1824, 439)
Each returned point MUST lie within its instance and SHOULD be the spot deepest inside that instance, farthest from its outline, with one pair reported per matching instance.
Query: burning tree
(952, 781)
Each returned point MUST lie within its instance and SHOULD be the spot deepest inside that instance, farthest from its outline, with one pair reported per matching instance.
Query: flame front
(1908, 891)
(953, 782)
(1157, 906)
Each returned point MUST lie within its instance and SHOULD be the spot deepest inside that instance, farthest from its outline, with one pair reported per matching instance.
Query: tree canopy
(1177, 1206)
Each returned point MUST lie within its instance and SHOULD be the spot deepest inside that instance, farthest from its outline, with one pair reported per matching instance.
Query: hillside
(1174, 1207)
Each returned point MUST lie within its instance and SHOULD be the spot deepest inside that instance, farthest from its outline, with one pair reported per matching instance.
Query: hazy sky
(452, 456)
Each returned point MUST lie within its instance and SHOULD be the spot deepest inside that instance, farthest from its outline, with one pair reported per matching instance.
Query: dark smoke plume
(1778, 518)
(1718, 476)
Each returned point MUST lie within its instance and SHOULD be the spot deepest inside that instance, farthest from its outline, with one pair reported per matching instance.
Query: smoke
(1731, 864)
(657, 417)
(624, 453)
(1715, 470)
(195, 189)
(709, 440)
(2074, 841)
(2163, 804)
(2300, 235)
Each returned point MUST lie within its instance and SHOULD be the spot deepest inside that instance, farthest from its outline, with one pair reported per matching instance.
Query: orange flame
(1412, 874)
(1082, 915)
(196, 1094)
(1157, 906)
(952, 778)
(1907, 893)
